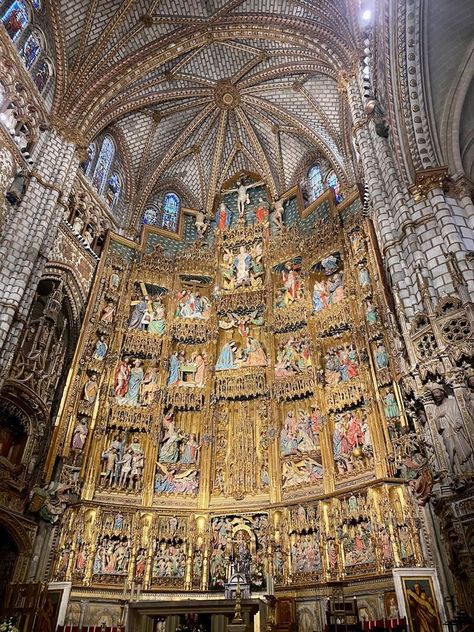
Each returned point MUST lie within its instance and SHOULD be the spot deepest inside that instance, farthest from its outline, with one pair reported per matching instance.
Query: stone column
(28, 237)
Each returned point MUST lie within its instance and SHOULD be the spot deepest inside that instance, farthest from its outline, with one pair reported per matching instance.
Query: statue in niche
(381, 356)
(298, 435)
(170, 443)
(201, 224)
(340, 365)
(121, 377)
(292, 290)
(357, 543)
(242, 195)
(351, 441)
(450, 425)
(139, 310)
(371, 314)
(132, 382)
(306, 554)
(261, 212)
(233, 356)
(140, 564)
(223, 217)
(91, 388)
(241, 558)
(276, 216)
(80, 434)
(156, 323)
(149, 386)
(189, 372)
(293, 357)
(192, 304)
(364, 277)
(101, 348)
(108, 314)
(241, 265)
(114, 281)
(169, 480)
(390, 406)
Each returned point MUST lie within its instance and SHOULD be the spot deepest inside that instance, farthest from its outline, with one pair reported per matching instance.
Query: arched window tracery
(333, 182)
(103, 164)
(314, 182)
(31, 50)
(41, 74)
(170, 212)
(15, 19)
(113, 188)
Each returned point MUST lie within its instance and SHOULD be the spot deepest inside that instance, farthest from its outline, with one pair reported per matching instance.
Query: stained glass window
(170, 212)
(102, 167)
(315, 183)
(112, 190)
(41, 75)
(333, 182)
(15, 19)
(150, 216)
(30, 51)
(36, 4)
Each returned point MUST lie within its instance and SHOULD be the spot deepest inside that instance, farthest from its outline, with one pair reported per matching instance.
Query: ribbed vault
(198, 90)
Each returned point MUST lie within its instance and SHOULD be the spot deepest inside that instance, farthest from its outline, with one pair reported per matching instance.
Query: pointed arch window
(15, 19)
(113, 188)
(102, 167)
(31, 49)
(41, 74)
(170, 212)
(315, 182)
(333, 182)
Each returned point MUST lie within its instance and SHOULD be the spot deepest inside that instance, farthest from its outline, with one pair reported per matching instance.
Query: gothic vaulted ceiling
(197, 90)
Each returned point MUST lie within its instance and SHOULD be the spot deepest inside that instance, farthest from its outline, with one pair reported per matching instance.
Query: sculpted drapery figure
(450, 426)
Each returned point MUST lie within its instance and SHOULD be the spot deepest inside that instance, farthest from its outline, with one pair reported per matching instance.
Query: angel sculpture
(242, 195)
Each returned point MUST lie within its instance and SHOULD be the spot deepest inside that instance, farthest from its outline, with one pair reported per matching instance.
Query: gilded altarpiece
(232, 409)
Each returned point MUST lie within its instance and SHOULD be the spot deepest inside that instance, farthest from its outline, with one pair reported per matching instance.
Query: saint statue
(79, 435)
(450, 425)
(100, 349)
(223, 217)
(201, 224)
(241, 265)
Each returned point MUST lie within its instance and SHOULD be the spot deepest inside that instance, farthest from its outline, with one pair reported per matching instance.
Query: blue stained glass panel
(30, 51)
(113, 189)
(170, 212)
(333, 182)
(102, 167)
(315, 183)
(36, 4)
(15, 19)
(41, 75)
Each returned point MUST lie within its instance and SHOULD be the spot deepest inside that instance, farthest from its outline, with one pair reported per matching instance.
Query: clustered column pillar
(28, 236)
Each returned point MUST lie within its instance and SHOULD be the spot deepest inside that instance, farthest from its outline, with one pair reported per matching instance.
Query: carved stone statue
(276, 216)
(242, 195)
(450, 425)
(201, 224)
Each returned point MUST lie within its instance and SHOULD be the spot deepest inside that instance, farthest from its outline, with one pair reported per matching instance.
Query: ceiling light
(366, 15)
